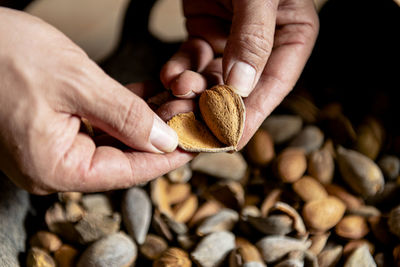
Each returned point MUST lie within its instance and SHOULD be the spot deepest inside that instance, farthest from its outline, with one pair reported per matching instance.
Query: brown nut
(260, 149)
(323, 214)
(46, 240)
(352, 227)
(309, 189)
(223, 112)
(291, 164)
(173, 257)
(66, 256)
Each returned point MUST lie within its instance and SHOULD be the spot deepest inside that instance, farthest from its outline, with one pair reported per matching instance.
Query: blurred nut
(291, 164)
(323, 214)
(352, 227)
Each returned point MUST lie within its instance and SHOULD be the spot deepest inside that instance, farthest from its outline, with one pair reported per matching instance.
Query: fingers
(180, 73)
(86, 168)
(169, 109)
(280, 74)
(122, 114)
(188, 84)
(249, 44)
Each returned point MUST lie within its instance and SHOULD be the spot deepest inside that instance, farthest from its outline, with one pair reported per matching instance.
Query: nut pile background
(311, 188)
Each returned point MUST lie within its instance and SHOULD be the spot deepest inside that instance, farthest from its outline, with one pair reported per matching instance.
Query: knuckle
(255, 45)
(130, 118)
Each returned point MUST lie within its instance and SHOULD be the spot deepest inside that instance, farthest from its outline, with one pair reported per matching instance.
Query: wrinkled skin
(47, 85)
(273, 37)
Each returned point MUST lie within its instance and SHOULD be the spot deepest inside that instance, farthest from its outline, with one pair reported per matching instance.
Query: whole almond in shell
(224, 113)
(360, 172)
(207, 209)
(323, 214)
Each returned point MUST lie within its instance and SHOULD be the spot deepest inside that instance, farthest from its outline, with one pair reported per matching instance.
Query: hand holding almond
(47, 85)
(264, 44)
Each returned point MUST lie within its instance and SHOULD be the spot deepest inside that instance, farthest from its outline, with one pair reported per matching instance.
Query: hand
(47, 85)
(265, 45)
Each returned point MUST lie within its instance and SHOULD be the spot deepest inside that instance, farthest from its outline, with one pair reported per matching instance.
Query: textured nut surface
(194, 136)
(223, 112)
(173, 257)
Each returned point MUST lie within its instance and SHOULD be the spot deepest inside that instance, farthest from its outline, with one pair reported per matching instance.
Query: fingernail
(241, 78)
(162, 137)
(189, 94)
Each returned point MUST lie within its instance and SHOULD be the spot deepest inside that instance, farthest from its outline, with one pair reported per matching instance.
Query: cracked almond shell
(223, 113)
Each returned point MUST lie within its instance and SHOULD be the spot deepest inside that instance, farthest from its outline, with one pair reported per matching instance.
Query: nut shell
(223, 111)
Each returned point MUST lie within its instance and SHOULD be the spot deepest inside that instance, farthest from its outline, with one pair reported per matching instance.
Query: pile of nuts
(309, 189)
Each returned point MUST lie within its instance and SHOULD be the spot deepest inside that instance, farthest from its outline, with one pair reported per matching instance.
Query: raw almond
(321, 165)
(46, 240)
(324, 213)
(352, 227)
(185, 210)
(309, 189)
(178, 193)
(260, 149)
(173, 257)
(248, 251)
(351, 201)
(159, 195)
(291, 164)
(223, 112)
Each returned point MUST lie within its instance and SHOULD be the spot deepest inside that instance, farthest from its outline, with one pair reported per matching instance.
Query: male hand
(264, 43)
(47, 84)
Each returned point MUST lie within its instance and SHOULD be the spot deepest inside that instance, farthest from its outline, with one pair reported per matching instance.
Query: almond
(223, 112)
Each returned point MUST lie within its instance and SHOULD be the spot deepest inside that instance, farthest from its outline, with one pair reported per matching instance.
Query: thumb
(124, 115)
(249, 44)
